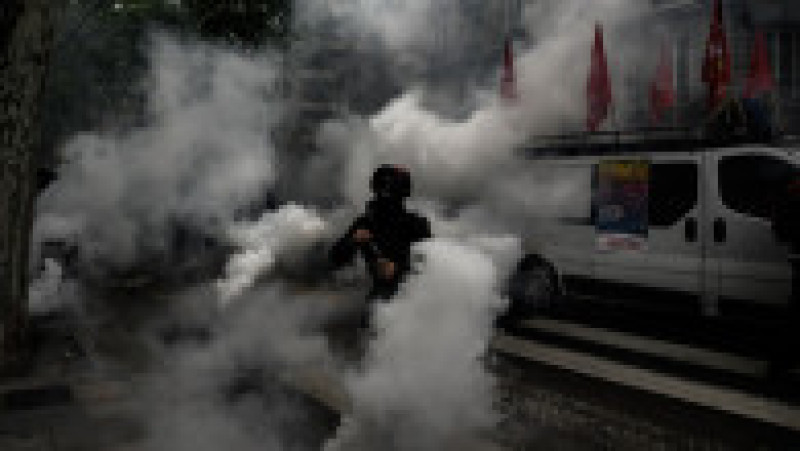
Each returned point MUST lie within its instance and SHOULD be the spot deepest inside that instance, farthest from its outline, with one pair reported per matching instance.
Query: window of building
(750, 183)
(672, 192)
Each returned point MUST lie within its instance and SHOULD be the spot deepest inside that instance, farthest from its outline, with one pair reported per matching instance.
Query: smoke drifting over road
(423, 385)
(206, 152)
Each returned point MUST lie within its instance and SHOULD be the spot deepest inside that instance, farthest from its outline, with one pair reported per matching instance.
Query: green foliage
(250, 22)
(244, 22)
(100, 55)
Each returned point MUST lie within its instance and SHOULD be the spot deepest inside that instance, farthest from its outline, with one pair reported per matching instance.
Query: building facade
(779, 20)
(333, 72)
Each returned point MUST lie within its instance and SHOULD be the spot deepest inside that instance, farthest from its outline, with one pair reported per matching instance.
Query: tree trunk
(26, 31)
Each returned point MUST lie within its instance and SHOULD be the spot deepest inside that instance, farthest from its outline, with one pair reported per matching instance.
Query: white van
(706, 240)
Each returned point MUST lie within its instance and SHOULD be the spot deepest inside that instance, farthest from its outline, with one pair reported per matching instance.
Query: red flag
(717, 60)
(759, 78)
(662, 89)
(508, 83)
(598, 89)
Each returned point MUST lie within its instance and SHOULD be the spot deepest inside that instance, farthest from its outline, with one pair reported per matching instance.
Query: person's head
(391, 182)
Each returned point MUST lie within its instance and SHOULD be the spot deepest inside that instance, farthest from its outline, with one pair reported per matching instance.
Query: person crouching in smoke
(383, 234)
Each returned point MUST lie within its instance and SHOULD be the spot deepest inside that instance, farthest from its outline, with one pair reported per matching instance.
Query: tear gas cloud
(52, 291)
(225, 393)
(424, 385)
(458, 159)
(205, 152)
(290, 230)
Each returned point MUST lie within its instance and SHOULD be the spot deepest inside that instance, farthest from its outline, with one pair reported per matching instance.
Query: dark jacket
(394, 229)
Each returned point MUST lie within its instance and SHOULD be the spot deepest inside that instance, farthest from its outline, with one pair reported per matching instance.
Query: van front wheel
(533, 287)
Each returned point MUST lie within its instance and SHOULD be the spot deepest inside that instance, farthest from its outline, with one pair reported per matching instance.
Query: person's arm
(344, 249)
(422, 229)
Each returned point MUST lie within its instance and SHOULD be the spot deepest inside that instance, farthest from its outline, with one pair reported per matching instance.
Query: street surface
(562, 385)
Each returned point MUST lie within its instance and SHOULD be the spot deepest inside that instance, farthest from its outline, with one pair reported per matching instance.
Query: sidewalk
(66, 402)
(76, 412)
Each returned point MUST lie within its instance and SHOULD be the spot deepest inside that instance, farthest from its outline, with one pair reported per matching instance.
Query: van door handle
(690, 230)
(720, 231)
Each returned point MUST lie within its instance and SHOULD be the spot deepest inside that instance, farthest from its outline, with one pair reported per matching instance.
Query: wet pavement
(71, 403)
(550, 409)
(61, 414)
(89, 387)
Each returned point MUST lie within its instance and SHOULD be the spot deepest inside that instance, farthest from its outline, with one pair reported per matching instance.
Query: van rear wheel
(533, 287)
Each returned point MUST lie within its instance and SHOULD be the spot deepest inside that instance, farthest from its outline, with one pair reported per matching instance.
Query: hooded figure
(384, 233)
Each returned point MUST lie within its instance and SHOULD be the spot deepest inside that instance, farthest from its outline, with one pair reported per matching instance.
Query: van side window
(750, 183)
(673, 192)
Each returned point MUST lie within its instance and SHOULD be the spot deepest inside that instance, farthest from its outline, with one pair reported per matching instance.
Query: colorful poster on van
(621, 204)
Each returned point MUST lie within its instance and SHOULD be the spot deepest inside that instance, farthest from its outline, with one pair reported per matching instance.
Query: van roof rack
(637, 140)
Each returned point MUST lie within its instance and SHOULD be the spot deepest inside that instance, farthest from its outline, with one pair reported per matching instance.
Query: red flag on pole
(598, 89)
(508, 83)
(717, 60)
(759, 78)
(662, 89)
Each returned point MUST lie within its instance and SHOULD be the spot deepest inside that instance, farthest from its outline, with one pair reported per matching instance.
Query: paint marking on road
(678, 352)
(693, 392)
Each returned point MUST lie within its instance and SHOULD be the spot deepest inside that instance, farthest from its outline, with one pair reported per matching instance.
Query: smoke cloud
(292, 230)
(406, 394)
(205, 152)
(462, 158)
(52, 290)
(225, 392)
(421, 389)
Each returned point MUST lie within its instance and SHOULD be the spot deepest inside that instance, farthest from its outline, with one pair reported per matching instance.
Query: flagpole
(614, 119)
(598, 88)
(675, 107)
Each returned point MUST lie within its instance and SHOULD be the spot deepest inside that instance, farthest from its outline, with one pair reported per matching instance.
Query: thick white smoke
(464, 158)
(52, 290)
(202, 153)
(225, 393)
(423, 385)
(289, 230)
(205, 151)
